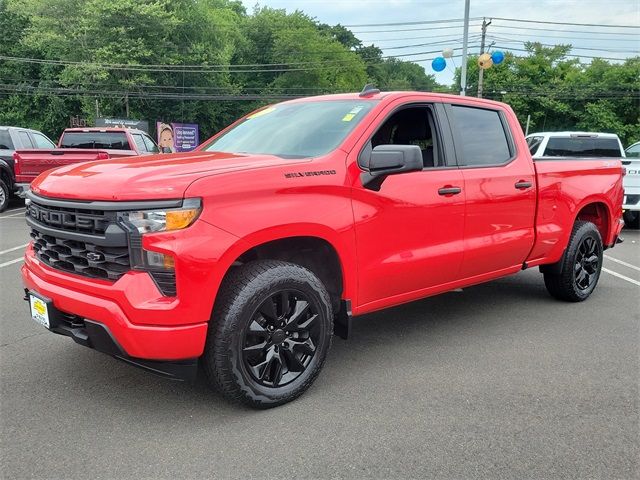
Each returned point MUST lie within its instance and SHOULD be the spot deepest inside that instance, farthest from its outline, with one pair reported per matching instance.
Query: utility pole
(485, 24)
(465, 41)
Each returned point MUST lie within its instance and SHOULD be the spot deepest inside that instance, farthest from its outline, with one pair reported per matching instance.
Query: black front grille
(82, 258)
(93, 222)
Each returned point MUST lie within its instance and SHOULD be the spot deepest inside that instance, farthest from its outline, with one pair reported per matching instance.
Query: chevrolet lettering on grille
(62, 219)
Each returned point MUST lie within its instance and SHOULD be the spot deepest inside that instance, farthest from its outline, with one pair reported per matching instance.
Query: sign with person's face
(177, 137)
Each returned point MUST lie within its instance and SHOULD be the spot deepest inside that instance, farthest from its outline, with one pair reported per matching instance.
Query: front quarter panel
(307, 198)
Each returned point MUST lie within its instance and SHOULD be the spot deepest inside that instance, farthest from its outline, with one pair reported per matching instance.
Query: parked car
(250, 252)
(574, 144)
(12, 139)
(631, 183)
(81, 145)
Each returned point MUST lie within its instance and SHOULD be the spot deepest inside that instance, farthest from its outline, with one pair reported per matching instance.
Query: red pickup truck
(81, 145)
(251, 252)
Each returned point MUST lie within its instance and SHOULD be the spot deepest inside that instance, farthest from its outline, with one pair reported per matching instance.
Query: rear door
(409, 233)
(500, 190)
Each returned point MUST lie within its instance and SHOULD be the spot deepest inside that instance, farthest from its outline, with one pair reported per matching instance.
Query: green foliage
(560, 93)
(81, 46)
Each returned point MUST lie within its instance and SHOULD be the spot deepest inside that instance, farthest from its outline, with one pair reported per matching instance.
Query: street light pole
(465, 41)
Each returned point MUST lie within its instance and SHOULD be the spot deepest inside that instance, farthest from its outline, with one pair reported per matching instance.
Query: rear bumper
(104, 306)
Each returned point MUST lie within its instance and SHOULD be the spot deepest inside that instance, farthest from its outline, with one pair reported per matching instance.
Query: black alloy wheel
(576, 275)
(269, 334)
(281, 339)
(585, 270)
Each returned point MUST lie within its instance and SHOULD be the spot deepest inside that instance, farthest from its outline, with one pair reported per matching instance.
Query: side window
(42, 141)
(139, 142)
(151, 145)
(534, 143)
(411, 126)
(25, 139)
(482, 135)
(5, 140)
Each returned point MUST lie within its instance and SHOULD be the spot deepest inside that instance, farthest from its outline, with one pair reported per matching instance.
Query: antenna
(368, 90)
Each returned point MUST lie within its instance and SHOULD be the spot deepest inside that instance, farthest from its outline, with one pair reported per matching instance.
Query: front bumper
(114, 306)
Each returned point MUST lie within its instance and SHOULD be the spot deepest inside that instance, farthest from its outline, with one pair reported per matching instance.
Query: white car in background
(631, 183)
(594, 144)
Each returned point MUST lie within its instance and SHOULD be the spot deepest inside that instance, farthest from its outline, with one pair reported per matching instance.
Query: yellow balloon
(485, 61)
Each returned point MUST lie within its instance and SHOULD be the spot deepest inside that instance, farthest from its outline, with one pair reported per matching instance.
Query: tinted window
(582, 147)
(42, 141)
(484, 141)
(25, 139)
(5, 140)
(139, 142)
(632, 151)
(151, 145)
(294, 130)
(534, 143)
(103, 140)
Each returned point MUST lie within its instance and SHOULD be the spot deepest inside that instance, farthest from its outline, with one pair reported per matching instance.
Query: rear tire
(632, 219)
(4, 196)
(580, 267)
(269, 335)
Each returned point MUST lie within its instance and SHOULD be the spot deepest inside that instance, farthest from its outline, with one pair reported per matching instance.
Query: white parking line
(621, 262)
(13, 215)
(611, 272)
(11, 262)
(13, 249)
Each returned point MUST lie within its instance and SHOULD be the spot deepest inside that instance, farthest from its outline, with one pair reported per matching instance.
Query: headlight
(150, 221)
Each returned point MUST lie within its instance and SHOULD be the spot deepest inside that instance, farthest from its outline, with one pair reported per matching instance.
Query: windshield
(295, 130)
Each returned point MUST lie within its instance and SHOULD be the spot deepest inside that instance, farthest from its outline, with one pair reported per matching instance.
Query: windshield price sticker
(352, 113)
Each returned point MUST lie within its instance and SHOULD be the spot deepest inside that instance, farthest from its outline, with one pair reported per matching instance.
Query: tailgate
(31, 163)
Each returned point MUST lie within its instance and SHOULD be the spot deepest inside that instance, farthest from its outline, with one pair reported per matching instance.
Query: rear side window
(5, 140)
(582, 147)
(42, 141)
(102, 140)
(139, 142)
(25, 139)
(151, 146)
(633, 151)
(533, 144)
(482, 134)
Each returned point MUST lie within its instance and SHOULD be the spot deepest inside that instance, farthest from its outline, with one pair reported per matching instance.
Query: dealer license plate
(39, 310)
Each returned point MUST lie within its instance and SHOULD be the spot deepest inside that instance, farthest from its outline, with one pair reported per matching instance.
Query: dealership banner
(123, 123)
(177, 137)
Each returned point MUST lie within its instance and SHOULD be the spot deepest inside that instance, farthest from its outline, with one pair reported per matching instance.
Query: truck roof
(573, 134)
(394, 95)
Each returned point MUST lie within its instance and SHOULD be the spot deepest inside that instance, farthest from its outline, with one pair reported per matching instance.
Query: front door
(409, 234)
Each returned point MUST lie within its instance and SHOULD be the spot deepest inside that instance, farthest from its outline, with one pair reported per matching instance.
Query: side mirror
(385, 160)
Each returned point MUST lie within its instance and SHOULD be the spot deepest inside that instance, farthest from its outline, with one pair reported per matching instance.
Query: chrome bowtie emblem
(94, 256)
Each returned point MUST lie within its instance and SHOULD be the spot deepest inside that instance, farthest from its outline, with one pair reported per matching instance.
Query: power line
(414, 29)
(568, 55)
(604, 25)
(512, 40)
(536, 35)
(422, 22)
(637, 35)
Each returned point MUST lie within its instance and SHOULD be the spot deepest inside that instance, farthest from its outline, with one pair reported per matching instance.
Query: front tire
(4, 196)
(581, 265)
(270, 333)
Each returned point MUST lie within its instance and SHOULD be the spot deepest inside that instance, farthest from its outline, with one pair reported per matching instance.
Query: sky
(410, 40)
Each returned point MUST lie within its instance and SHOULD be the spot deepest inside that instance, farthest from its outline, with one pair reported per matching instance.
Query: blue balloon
(439, 64)
(497, 57)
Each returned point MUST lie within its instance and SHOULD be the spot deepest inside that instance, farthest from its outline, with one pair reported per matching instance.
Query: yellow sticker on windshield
(348, 117)
(261, 113)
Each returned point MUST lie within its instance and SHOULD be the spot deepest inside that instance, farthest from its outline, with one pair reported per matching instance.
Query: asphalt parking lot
(496, 381)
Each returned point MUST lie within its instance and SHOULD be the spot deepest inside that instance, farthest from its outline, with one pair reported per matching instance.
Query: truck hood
(152, 177)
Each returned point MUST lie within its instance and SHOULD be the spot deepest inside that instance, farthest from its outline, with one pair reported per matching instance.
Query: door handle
(523, 185)
(449, 191)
